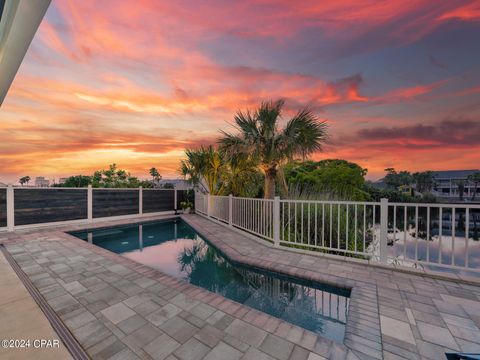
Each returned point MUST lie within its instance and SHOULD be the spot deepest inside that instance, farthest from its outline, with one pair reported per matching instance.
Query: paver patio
(119, 309)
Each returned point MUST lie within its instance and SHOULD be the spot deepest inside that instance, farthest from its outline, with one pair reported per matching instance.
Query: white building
(40, 181)
(179, 184)
(447, 184)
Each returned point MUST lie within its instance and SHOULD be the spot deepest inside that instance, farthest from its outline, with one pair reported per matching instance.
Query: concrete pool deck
(21, 318)
(119, 309)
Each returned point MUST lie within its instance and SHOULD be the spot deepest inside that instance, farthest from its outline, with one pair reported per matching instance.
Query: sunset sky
(135, 82)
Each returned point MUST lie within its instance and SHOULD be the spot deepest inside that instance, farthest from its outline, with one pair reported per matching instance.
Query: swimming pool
(174, 248)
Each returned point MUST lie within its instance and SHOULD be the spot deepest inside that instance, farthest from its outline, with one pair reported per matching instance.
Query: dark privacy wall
(45, 205)
(36, 206)
(114, 202)
(158, 200)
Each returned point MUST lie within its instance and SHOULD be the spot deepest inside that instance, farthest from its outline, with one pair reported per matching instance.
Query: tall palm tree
(269, 146)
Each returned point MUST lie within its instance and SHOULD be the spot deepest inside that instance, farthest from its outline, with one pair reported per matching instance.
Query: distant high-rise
(40, 181)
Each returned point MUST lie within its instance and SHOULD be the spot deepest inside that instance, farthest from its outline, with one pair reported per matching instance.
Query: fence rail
(404, 234)
(29, 207)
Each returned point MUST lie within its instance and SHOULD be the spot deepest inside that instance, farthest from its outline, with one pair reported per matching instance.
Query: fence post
(175, 200)
(276, 221)
(10, 209)
(90, 203)
(140, 200)
(230, 209)
(208, 205)
(383, 230)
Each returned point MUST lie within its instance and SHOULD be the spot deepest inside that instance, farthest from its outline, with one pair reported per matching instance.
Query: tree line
(112, 177)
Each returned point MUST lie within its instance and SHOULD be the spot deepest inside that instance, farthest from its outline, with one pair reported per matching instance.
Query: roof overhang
(19, 22)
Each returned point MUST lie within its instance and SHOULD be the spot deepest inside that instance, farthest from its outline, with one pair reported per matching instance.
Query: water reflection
(174, 248)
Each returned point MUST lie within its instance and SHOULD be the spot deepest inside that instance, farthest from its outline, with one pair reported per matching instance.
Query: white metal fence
(406, 234)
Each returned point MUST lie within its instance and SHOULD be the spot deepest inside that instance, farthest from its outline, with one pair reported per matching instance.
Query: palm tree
(24, 180)
(155, 175)
(242, 178)
(270, 147)
(424, 181)
(205, 164)
(475, 179)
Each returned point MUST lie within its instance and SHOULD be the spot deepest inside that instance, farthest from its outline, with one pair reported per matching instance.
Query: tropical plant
(76, 181)
(340, 178)
(24, 180)
(168, 185)
(186, 205)
(475, 179)
(395, 179)
(338, 225)
(242, 178)
(114, 177)
(424, 181)
(394, 195)
(205, 165)
(156, 177)
(261, 139)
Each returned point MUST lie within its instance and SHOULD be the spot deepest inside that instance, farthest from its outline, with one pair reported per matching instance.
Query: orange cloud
(469, 12)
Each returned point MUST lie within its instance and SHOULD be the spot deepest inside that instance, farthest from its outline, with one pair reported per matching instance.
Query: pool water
(174, 248)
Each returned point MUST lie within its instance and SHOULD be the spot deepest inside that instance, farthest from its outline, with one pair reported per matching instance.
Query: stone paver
(119, 309)
(117, 313)
(397, 329)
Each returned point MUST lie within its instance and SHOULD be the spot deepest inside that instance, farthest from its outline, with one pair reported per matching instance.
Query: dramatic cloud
(135, 84)
(458, 132)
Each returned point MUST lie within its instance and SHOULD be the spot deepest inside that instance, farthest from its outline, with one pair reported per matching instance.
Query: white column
(208, 205)
(175, 200)
(90, 203)
(276, 221)
(140, 237)
(383, 230)
(140, 200)
(230, 209)
(10, 208)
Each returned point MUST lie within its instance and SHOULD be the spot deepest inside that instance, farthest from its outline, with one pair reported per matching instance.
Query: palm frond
(267, 115)
(303, 134)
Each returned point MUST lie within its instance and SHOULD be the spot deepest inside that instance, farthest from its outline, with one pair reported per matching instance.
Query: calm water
(175, 248)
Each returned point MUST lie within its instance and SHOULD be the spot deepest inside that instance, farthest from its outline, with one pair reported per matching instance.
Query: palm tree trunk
(270, 176)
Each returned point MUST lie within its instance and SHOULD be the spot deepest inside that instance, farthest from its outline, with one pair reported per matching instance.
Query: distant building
(179, 184)
(447, 183)
(62, 180)
(40, 181)
(2, 184)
